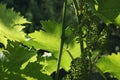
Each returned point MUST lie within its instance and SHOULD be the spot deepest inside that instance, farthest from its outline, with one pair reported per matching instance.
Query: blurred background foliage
(36, 10)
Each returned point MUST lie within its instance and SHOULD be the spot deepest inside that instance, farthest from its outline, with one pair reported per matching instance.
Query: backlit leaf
(10, 25)
(110, 64)
(49, 39)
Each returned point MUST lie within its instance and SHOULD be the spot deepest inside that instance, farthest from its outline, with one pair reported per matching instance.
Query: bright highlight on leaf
(10, 25)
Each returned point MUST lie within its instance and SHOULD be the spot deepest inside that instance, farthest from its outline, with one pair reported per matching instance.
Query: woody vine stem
(62, 40)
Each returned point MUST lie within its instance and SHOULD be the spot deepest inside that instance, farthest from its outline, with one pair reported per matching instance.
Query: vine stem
(62, 39)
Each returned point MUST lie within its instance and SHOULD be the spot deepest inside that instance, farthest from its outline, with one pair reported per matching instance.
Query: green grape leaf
(49, 39)
(11, 76)
(18, 65)
(110, 63)
(109, 10)
(10, 25)
(17, 55)
(33, 70)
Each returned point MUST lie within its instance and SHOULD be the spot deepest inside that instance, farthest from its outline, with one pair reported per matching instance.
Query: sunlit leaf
(110, 64)
(10, 25)
(49, 39)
